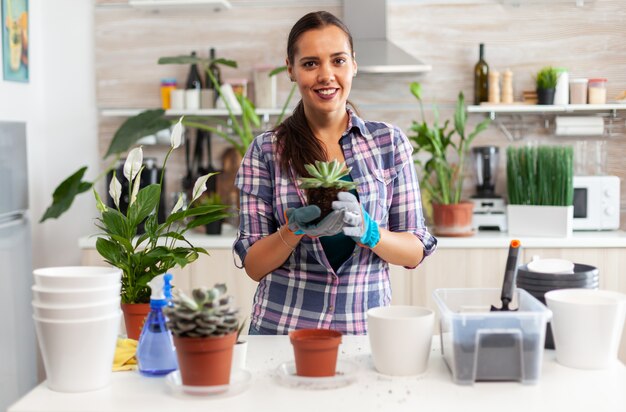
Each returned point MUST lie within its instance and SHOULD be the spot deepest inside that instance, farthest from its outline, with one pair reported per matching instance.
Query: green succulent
(208, 313)
(328, 175)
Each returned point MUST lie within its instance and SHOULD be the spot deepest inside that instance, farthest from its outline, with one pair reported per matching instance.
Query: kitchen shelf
(201, 112)
(515, 113)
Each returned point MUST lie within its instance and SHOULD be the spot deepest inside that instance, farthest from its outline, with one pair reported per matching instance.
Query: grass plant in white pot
(541, 190)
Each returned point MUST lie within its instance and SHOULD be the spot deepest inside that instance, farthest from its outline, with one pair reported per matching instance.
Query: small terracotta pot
(453, 220)
(205, 361)
(134, 317)
(315, 351)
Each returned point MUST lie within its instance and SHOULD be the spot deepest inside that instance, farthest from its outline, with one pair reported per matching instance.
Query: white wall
(58, 105)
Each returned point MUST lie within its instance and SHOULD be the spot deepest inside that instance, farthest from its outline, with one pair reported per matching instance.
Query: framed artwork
(15, 40)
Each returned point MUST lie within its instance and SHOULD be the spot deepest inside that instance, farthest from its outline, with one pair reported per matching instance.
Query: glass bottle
(481, 78)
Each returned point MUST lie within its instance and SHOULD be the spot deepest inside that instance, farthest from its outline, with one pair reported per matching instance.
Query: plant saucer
(239, 381)
(345, 375)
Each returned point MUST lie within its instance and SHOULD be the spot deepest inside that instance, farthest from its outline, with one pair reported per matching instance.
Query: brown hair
(295, 140)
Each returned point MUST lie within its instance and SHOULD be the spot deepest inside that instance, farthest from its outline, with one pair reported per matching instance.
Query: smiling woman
(326, 274)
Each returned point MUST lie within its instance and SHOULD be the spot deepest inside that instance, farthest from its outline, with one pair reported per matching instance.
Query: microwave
(596, 202)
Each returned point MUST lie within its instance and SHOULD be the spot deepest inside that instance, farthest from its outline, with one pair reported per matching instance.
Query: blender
(489, 208)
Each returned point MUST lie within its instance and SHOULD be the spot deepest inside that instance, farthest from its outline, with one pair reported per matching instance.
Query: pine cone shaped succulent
(207, 313)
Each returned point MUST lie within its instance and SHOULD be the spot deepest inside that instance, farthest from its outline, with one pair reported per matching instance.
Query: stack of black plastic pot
(537, 284)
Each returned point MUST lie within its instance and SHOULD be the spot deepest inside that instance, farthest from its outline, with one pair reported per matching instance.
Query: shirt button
(331, 308)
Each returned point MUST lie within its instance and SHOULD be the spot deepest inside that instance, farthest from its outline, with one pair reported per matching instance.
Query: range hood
(367, 21)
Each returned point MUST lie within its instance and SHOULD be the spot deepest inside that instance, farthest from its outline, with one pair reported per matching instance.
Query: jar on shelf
(578, 91)
(597, 91)
(167, 85)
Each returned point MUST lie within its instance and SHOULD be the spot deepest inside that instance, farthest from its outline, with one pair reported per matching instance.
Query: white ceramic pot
(68, 297)
(77, 277)
(545, 221)
(587, 326)
(78, 354)
(400, 339)
(73, 312)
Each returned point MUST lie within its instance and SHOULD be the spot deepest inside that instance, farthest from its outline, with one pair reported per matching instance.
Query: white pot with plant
(541, 191)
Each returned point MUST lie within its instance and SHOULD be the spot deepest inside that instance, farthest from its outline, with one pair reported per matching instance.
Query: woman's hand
(357, 222)
(299, 221)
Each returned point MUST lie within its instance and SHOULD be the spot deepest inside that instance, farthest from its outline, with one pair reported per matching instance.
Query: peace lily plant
(163, 245)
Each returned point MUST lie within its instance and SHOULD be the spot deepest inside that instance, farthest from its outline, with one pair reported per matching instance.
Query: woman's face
(323, 67)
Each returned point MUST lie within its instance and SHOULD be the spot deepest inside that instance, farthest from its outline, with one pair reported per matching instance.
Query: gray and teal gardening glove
(299, 221)
(357, 222)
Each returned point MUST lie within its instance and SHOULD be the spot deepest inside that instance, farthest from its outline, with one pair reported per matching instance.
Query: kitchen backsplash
(589, 41)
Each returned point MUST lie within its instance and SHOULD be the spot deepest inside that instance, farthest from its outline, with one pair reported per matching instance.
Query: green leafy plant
(324, 183)
(540, 175)
(327, 174)
(443, 171)
(547, 78)
(208, 313)
(163, 245)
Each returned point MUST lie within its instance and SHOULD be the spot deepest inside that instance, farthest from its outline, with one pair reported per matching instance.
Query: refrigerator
(18, 353)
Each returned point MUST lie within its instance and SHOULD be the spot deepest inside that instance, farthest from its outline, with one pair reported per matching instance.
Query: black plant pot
(214, 228)
(545, 96)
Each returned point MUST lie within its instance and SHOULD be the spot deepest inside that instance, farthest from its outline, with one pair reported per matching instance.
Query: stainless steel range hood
(367, 21)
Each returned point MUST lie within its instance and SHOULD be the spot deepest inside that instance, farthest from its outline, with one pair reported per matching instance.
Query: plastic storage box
(480, 345)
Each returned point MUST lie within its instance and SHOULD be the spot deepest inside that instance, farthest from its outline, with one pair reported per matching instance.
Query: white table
(559, 389)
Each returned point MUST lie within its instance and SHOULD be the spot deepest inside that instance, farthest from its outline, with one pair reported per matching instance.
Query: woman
(329, 274)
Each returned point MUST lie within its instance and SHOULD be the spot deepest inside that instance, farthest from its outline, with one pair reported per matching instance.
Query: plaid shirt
(305, 292)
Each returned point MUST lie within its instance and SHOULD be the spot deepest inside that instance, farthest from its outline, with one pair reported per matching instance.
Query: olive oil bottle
(481, 78)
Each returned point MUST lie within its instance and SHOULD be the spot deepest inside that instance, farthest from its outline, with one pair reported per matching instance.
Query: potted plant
(323, 184)
(540, 190)
(315, 351)
(205, 330)
(546, 85)
(162, 245)
(443, 171)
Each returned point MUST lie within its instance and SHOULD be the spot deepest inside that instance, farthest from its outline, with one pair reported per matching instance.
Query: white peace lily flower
(200, 186)
(133, 195)
(177, 134)
(99, 204)
(115, 190)
(179, 204)
(133, 163)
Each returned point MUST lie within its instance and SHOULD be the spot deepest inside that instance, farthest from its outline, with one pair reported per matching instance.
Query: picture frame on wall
(14, 20)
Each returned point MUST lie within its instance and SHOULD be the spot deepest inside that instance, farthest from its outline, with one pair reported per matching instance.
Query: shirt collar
(355, 122)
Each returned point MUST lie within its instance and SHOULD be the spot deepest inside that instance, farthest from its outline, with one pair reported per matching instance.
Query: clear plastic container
(578, 91)
(480, 345)
(597, 91)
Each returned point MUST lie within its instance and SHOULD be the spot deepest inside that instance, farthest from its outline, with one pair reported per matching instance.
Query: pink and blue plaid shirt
(305, 292)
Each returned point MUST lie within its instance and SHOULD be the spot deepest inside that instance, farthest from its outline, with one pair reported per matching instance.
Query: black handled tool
(510, 273)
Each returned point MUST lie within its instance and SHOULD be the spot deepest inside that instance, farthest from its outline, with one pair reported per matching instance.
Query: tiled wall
(589, 41)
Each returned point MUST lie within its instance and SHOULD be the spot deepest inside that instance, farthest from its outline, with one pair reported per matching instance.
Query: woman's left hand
(357, 222)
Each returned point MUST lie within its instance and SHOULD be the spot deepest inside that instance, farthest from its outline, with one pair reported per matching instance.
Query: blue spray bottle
(155, 351)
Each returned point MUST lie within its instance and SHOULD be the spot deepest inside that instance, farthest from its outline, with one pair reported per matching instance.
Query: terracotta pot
(315, 351)
(205, 361)
(134, 317)
(453, 220)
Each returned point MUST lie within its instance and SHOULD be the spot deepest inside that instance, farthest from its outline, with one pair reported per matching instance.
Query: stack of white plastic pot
(77, 319)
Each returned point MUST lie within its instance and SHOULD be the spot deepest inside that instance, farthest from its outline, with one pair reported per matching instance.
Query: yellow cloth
(124, 359)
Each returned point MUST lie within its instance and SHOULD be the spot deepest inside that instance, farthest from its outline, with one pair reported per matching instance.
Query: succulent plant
(208, 313)
(327, 175)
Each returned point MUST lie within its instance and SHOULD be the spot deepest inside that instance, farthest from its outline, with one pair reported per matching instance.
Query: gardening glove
(357, 222)
(299, 221)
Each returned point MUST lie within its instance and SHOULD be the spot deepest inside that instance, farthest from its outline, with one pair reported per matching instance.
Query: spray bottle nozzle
(161, 288)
